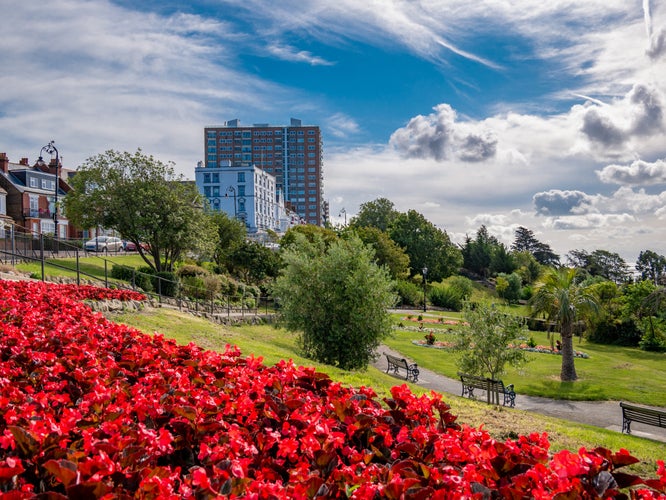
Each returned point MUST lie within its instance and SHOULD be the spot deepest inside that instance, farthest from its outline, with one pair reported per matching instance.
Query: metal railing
(19, 245)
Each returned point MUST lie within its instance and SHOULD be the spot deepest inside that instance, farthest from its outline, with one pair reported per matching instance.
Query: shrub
(410, 294)
(447, 297)
(138, 278)
(191, 270)
(165, 283)
(615, 332)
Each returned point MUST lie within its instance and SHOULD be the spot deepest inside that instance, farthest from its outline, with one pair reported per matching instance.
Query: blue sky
(548, 115)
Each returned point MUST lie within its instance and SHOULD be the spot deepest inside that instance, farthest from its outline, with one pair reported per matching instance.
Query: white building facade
(246, 193)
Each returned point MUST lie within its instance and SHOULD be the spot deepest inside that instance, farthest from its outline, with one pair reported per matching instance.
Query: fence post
(41, 253)
(13, 244)
(78, 270)
(106, 274)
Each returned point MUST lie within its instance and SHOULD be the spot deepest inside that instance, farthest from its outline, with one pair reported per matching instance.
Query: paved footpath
(605, 414)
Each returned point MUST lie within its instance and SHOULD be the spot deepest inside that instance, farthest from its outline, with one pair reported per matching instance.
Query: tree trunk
(568, 373)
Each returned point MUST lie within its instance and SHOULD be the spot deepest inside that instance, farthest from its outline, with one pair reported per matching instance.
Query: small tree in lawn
(484, 342)
(337, 298)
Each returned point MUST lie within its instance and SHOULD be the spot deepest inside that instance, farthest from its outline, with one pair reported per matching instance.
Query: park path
(604, 414)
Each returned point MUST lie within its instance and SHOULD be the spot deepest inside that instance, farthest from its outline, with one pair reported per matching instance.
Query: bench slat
(395, 363)
(648, 416)
(492, 387)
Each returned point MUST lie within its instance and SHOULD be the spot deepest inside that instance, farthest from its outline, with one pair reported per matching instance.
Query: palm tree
(561, 298)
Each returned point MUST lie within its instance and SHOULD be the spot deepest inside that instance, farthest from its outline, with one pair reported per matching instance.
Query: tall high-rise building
(292, 153)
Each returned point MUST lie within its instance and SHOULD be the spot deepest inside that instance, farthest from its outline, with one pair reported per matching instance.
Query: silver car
(104, 244)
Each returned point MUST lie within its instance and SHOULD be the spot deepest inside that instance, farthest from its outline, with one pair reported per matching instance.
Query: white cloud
(341, 125)
(288, 53)
(637, 173)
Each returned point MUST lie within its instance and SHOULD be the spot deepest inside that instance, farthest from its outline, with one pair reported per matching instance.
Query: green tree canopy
(337, 298)
(387, 251)
(378, 213)
(230, 235)
(652, 266)
(311, 233)
(525, 241)
(142, 199)
(253, 262)
(483, 343)
(602, 263)
(426, 245)
(562, 299)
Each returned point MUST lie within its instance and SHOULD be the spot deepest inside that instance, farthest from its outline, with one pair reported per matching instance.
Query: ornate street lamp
(425, 274)
(343, 211)
(232, 189)
(50, 149)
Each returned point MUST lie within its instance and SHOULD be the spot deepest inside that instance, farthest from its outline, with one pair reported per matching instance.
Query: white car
(104, 244)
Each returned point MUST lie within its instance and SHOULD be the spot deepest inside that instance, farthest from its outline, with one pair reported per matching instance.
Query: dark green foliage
(189, 270)
(379, 214)
(525, 241)
(446, 296)
(165, 283)
(452, 294)
(409, 293)
(509, 287)
(426, 245)
(615, 332)
(139, 279)
(337, 298)
(651, 265)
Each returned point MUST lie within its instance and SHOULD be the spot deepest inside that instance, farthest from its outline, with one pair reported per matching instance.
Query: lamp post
(50, 149)
(425, 274)
(343, 212)
(232, 189)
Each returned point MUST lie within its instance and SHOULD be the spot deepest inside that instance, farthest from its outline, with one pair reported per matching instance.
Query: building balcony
(42, 213)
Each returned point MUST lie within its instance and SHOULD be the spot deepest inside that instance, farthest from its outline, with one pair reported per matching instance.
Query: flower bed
(439, 344)
(91, 409)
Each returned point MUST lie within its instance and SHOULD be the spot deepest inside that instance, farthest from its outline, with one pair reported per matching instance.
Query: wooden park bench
(395, 364)
(492, 387)
(649, 416)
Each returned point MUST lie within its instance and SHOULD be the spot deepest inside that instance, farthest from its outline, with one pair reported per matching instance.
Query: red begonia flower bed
(91, 409)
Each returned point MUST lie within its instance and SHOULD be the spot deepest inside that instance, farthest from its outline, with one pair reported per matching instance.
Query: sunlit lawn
(610, 373)
(98, 266)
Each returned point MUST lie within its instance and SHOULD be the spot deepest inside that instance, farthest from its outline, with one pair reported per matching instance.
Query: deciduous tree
(142, 199)
(484, 342)
(378, 213)
(337, 298)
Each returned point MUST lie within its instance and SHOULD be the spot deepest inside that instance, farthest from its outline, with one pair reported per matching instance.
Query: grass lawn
(98, 266)
(610, 373)
(275, 344)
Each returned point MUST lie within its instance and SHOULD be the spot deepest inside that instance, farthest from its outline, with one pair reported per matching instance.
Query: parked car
(130, 246)
(104, 244)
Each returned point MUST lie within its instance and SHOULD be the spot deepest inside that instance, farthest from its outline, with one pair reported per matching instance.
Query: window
(216, 191)
(241, 206)
(206, 178)
(33, 182)
(207, 191)
(216, 178)
(241, 190)
(241, 176)
(3, 204)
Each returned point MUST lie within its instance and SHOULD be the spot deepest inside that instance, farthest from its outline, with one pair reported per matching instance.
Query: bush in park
(93, 409)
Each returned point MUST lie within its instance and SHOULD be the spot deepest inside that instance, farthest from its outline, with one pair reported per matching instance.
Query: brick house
(31, 195)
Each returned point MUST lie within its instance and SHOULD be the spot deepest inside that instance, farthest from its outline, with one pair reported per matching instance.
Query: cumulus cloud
(589, 221)
(557, 202)
(639, 114)
(656, 41)
(440, 136)
(638, 173)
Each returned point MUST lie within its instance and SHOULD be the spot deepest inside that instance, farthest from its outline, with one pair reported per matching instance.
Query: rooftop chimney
(24, 161)
(4, 163)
